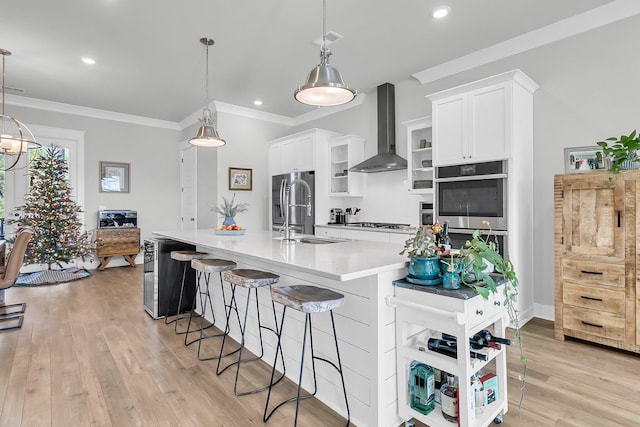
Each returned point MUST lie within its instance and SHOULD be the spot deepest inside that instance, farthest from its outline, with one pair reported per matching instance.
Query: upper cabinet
(297, 152)
(344, 152)
(419, 156)
(478, 122)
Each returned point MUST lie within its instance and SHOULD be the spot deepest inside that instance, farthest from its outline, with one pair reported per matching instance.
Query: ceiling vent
(330, 37)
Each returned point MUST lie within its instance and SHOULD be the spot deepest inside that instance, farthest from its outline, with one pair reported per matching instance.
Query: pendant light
(207, 135)
(324, 87)
(15, 136)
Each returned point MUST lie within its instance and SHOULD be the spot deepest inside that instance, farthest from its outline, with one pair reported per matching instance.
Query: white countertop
(341, 261)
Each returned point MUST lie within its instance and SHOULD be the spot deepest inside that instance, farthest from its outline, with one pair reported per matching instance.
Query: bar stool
(252, 280)
(204, 267)
(306, 299)
(184, 258)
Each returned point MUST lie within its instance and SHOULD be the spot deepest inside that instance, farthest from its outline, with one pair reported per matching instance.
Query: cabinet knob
(479, 312)
(496, 303)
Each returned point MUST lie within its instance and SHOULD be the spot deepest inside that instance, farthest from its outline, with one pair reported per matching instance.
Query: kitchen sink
(312, 240)
(318, 240)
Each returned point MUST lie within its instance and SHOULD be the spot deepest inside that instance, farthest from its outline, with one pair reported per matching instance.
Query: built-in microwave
(470, 194)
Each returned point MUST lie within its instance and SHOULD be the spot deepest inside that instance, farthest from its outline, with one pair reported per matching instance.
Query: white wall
(153, 155)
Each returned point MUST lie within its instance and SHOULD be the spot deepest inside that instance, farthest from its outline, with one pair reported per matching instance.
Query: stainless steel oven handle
(472, 177)
(470, 231)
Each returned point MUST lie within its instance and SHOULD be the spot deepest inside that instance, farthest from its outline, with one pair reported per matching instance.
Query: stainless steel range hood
(386, 159)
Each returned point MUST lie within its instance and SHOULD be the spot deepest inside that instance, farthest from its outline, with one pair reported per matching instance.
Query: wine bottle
(450, 348)
(476, 342)
(446, 240)
(485, 336)
(449, 399)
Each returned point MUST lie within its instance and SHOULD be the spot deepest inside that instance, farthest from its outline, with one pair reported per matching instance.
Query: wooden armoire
(596, 258)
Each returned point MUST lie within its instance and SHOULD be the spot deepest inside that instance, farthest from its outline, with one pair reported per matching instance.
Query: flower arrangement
(229, 209)
(422, 244)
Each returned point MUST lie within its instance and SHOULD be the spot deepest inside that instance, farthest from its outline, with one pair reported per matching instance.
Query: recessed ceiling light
(441, 12)
(257, 102)
(89, 61)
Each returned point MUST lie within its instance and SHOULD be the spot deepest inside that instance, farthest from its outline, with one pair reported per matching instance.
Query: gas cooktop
(378, 225)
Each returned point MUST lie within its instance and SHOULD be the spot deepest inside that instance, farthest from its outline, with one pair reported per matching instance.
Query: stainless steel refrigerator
(298, 219)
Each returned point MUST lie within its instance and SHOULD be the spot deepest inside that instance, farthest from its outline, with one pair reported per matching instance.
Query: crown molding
(594, 18)
(59, 107)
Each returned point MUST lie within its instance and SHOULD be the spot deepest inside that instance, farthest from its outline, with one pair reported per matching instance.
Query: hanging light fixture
(15, 136)
(207, 135)
(324, 87)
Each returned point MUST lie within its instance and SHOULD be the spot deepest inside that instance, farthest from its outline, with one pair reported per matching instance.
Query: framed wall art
(583, 159)
(240, 179)
(114, 177)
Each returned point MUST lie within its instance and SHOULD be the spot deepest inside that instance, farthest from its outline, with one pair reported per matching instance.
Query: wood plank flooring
(88, 355)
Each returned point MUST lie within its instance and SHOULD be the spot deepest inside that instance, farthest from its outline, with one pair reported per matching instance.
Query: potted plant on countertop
(228, 209)
(622, 151)
(422, 250)
(482, 251)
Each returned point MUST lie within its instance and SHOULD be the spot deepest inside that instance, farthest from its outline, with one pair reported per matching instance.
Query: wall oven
(460, 236)
(469, 194)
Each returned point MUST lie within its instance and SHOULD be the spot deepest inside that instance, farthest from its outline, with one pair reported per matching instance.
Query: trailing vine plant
(482, 248)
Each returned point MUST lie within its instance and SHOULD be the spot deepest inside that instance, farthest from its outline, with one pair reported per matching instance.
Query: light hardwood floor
(88, 355)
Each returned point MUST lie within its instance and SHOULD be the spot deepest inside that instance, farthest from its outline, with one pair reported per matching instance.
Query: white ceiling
(150, 62)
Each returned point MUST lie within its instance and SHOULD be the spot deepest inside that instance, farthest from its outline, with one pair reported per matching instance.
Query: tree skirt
(51, 277)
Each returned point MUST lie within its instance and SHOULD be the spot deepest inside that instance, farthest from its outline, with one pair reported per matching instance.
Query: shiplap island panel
(364, 272)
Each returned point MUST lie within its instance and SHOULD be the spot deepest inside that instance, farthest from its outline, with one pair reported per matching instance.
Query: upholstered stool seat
(185, 258)
(306, 299)
(204, 267)
(252, 280)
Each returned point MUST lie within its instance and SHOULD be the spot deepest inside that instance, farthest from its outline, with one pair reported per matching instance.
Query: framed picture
(114, 177)
(583, 159)
(240, 179)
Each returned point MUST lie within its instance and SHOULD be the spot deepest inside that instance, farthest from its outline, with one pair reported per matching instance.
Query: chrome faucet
(285, 194)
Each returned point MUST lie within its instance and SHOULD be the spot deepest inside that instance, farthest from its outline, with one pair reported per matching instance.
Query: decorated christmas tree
(52, 214)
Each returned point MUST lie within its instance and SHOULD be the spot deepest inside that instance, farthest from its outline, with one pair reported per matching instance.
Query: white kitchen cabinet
(424, 312)
(369, 236)
(344, 152)
(297, 152)
(419, 156)
(478, 122)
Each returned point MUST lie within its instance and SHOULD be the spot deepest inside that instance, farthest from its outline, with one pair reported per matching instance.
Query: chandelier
(15, 137)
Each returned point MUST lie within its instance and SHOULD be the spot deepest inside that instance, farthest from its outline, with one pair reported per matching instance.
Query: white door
(189, 199)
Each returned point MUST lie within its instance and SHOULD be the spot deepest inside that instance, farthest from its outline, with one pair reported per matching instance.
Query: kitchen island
(364, 272)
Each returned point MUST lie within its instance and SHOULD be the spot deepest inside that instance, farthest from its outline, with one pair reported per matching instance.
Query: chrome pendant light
(324, 87)
(15, 137)
(207, 135)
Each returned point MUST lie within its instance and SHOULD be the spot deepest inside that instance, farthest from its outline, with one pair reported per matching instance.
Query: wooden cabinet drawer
(594, 297)
(602, 324)
(590, 272)
(117, 242)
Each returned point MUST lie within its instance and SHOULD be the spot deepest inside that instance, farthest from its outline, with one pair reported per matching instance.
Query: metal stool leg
(173, 292)
(307, 326)
(233, 306)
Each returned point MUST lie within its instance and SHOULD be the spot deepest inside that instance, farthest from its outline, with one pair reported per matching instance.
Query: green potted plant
(482, 251)
(423, 256)
(622, 151)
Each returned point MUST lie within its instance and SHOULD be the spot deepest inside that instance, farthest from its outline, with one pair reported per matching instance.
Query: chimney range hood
(386, 159)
